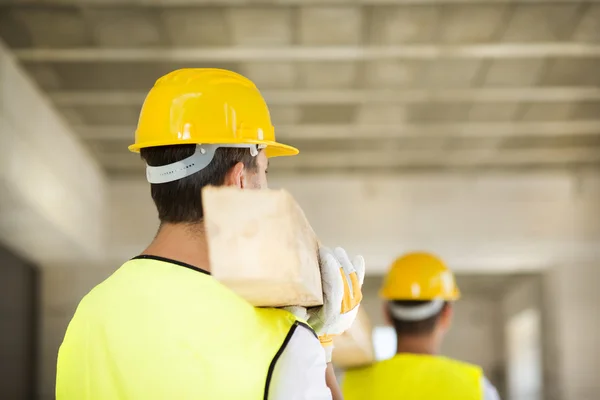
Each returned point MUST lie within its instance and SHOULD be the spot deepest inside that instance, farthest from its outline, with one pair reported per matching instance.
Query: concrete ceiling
(362, 85)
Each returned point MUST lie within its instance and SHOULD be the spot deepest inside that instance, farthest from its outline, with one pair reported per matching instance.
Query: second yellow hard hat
(421, 277)
(206, 106)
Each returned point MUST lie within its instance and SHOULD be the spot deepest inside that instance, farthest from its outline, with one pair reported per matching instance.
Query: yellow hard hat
(419, 276)
(207, 106)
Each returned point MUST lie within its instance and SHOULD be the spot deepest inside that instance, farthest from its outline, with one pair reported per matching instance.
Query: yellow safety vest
(159, 329)
(414, 377)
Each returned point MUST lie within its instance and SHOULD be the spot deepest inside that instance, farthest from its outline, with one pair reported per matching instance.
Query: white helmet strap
(196, 162)
(417, 313)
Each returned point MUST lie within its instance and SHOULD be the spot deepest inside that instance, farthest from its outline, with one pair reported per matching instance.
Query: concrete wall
(568, 298)
(500, 222)
(573, 302)
(52, 193)
(52, 206)
(52, 203)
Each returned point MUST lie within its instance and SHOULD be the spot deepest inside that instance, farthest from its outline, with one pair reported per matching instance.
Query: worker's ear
(235, 176)
(446, 316)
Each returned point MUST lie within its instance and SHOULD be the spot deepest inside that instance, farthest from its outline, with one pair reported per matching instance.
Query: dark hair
(422, 327)
(180, 201)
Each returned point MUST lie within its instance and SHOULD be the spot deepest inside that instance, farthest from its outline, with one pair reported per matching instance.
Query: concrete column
(52, 206)
(573, 303)
(525, 295)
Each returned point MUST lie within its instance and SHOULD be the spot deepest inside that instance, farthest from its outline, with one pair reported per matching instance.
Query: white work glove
(342, 283)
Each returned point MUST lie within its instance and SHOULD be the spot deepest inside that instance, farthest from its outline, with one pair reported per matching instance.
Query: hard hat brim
(273, 149)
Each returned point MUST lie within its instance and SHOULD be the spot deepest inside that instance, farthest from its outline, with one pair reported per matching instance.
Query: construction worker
(419, 292)
(161, 327)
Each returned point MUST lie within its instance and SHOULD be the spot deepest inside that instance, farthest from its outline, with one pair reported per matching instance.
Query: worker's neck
(418, 344)
(181, 242)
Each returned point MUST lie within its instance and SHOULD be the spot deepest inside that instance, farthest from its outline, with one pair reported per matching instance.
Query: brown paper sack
(262, 247)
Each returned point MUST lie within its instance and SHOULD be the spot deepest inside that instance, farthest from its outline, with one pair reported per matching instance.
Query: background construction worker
(419, 290)
(161, 327)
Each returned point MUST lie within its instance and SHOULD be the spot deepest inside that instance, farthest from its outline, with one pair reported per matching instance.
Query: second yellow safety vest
(159, 329)
(414, 377)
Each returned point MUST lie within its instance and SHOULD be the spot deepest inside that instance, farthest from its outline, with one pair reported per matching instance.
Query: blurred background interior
(468, 128)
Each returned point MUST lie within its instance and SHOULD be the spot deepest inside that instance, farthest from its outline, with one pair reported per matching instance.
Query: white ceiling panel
(326, 75)
(493, 111)
(513, 72)
(271, 75)
(472, 23)
(126, 28)
(197, 26)
(542, 22)
(573, 72)
(450, 73)
(588, 29)
(386, 74)
(45, 27)
(546, 112)
(322, 26)
(109, 115)
(262, 26)
(343, 114)
(382, 114)
(410, 24)
(282, 115)
(438, 112)
(586, 111)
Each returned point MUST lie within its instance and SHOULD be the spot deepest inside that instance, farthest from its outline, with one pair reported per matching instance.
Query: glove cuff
(326, 340)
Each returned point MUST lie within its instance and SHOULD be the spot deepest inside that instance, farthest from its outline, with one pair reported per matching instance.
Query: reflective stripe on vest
(415, 377)
(156, 330)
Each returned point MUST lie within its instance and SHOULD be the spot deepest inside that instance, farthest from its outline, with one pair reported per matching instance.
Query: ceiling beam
(321, 132)
(349, 96)
(304, 53)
